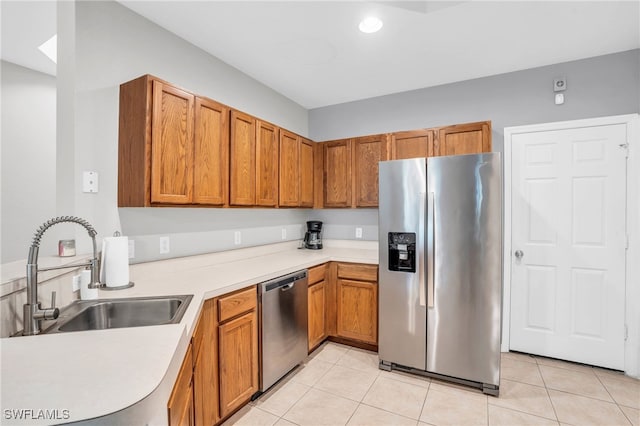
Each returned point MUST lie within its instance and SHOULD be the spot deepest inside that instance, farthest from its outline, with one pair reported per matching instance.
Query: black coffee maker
(313, 237)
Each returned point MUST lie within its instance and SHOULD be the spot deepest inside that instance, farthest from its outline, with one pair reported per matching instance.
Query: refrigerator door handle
(431, 243)
(420, 248)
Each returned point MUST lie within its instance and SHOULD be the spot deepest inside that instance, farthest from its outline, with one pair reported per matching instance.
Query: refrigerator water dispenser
(402, 251)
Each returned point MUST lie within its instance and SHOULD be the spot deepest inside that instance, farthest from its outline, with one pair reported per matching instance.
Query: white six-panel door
(568, 239)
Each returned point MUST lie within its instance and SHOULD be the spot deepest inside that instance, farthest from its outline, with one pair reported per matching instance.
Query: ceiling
(25, 25)
(313, 53)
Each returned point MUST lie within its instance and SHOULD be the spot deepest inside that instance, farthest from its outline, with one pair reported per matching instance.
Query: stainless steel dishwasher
(284, 326)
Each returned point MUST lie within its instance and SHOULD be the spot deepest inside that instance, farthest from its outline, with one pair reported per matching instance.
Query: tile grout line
(613, 399)
(424, 404)
(553, 407)
(382, 409)
(365, 394)
(297, 400)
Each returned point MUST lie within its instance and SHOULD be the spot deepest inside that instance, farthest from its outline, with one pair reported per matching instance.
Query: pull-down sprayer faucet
(33, 313)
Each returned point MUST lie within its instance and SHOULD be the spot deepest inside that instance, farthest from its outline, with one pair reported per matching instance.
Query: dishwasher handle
(287, 281)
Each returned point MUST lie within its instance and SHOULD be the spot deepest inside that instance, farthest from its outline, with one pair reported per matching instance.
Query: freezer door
(401, 289)
(464, 284)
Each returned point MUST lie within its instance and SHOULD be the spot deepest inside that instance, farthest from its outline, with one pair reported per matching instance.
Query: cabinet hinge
(626, 332)
(625, 146)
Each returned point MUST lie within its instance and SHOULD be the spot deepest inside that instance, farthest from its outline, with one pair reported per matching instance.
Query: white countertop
(96, 373)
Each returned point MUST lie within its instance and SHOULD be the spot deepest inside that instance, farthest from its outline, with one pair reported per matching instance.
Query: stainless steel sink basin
(83, 315)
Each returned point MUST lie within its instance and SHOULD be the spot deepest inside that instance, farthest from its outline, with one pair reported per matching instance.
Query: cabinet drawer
(317, 273)
(237, 303)
(356, 271)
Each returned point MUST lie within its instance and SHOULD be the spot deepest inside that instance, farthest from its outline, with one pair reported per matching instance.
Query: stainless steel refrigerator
(440, 278)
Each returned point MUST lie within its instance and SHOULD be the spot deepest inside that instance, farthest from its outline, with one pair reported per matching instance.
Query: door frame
(632, 272)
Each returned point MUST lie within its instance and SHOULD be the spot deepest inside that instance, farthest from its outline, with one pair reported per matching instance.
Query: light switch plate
(237, 238)
(89, 182)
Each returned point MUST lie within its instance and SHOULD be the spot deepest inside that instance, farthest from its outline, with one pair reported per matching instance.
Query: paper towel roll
(87, 293)
(114, 271)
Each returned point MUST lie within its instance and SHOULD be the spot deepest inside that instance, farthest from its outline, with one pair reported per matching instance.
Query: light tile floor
(340, 385)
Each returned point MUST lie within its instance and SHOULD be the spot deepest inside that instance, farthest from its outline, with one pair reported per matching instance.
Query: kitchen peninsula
(125, 376)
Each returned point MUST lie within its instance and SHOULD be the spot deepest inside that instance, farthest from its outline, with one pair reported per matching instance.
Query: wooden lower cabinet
(220, 374)
(238, 359)
(180, 405)
(205, 368)
(357, 309)
(317, 302)
(343, 304)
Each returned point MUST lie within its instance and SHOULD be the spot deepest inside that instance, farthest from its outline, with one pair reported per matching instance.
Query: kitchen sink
(83, 315)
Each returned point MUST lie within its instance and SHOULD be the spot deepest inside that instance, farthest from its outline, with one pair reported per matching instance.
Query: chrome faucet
(33, 313)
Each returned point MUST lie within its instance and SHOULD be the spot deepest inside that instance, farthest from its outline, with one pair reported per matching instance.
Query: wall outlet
(237, 238)
(358, 233)
(132, 249)
(75, 283)
(165, 245)
(284, 233)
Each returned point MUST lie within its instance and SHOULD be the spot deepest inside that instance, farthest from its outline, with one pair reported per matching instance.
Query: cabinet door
(243, 160)
(411, 144)
(180, 405)
(238, 355)
(266, 164)
(211, 153)
(289, 169)
(357, 306)
(337, 173)
(316, 310)
(205, 377)
(367, 152)
(171, 145)
(306, 173)
(470, 138)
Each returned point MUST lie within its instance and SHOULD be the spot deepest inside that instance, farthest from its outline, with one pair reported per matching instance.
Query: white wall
(28, 170)
(115, 45)
(601, 86)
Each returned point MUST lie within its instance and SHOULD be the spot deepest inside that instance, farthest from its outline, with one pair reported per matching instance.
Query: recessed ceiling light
(370, 24)
(50, 48)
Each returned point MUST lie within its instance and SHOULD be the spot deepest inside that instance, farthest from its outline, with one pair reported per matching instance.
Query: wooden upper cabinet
(211, 153)
(411, 144)
(470, 138)
(267, 164)
(337, 173)
(171, 145)
(242, 186)
(289, 169)
(367, 152)
(306, 173)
